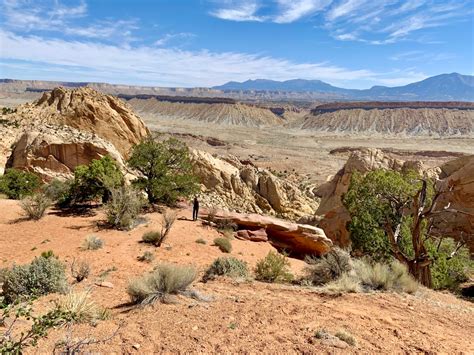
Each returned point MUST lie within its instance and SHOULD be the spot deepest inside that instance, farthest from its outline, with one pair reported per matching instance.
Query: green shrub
(201, 241)
(151, 237)
(123, 208)
(95, 181)
(41, 277)
(92, 242)
(447, 271)
(273, 268)
(35, 206)
(224, 244)
(164, 280)
(147, 257)
(165, 169)
(58, 191)
(229, 266)
(17, 184)
(329, 267)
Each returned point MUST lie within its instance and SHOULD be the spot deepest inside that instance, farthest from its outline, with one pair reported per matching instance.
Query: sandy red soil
(245, 317)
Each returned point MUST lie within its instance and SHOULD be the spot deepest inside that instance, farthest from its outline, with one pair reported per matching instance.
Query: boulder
(233, 185)
(259, 235)
(298, 240)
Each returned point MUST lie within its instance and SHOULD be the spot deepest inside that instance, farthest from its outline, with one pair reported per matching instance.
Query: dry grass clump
(329, 267)
(80, 271)
(367, 276)
(124, 207)
(229, 266)
(92, 242)
(35, 206)
(164, 280)
(346, 337)
(158, 237)
(82, 308)
(274, 267)
(224, 244)
(146, 257)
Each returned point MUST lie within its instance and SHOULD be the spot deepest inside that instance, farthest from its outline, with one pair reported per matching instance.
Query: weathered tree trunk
(421, 271)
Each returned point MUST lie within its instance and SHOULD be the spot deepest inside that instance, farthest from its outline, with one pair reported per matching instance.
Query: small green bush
(329, 267)
(164, 280)
(17, 184)
(58, 191)
(273, 268)
(92, 242)
(229, 266)
(123, 208)
(41, 277)
(201, 241)
(146, 257)
(151, 237)
(35, 206)
(158, 237)
(224, 244)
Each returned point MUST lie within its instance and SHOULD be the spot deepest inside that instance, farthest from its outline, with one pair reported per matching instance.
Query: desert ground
(239, 316)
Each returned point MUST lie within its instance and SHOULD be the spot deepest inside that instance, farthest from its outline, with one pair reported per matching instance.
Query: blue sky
(349, 43)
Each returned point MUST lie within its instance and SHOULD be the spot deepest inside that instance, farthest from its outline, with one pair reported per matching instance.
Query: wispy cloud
(168, 37)
(293, 10)
(164, 66)
(31, 16)
(239, 11)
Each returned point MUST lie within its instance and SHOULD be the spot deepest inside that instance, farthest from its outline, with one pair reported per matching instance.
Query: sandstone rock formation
(334, 216)
(66, 128)
(54, 151)
(457, 181)
(296, 239)
(89, 111)
(233, 185)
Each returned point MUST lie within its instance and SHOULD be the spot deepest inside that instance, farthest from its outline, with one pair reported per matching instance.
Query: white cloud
(164, 66)
(239, 11)
(293, 10)
(173, 36)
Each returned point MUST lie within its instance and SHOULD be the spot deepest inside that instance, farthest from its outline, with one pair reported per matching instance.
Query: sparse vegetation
(92, 242)
(123, 207)
(17, 184)
(41, 277)
(80, 271)
(331, 266)
(224, 244)
(228, 266)
(58, 191)
(273, 268)
(346, 337)
(158, 237)
(12, 341)
(81, 308)
(163, 281)
(165, 168)
(35, 206)
(201, 241)
(146, 257)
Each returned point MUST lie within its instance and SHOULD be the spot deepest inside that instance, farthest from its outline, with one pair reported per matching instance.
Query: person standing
(195, 208)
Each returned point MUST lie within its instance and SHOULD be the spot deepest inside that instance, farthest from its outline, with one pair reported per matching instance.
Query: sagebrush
(275, 267)
(228, 266)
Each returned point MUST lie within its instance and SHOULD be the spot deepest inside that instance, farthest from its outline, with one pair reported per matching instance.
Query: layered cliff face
(404, 121)
(228, 183)
(66, 128)
(220, 113)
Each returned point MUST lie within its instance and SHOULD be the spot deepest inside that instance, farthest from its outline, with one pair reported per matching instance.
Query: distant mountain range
(444, 87)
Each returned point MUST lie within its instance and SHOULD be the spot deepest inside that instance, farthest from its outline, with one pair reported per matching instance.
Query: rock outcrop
(69, 127)
(333, 215)
(242, 187)
(298, 240)
(88, 111)
(457, 183)
(54, 151)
